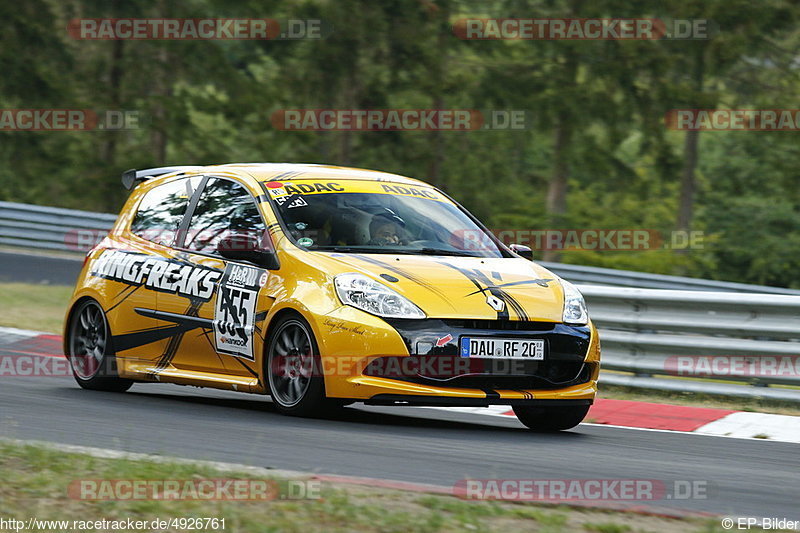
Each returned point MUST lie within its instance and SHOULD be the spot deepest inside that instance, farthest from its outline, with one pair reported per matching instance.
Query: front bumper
(429, 371)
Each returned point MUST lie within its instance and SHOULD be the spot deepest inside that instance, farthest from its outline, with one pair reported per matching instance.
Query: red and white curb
(680, 418)
(618, 413)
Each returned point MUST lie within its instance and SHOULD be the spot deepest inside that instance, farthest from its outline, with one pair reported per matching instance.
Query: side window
(161, 210)
(225, 208)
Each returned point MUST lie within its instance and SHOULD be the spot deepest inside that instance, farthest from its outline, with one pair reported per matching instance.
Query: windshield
(377, 217)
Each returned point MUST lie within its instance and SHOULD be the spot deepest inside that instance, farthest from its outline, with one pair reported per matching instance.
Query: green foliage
(211, 101)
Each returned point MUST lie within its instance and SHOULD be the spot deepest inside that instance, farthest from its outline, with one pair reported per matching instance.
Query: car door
(223, 330)
(138, 261)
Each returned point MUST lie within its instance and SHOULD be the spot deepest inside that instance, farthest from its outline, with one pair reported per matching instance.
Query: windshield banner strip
(279, 189)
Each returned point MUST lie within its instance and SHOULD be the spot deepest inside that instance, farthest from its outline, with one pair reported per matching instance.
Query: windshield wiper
(358, 249)
(438, 251)
(390, 250)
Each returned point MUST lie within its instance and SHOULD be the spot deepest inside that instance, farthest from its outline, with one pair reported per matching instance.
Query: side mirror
(245, 247)
(522, 251)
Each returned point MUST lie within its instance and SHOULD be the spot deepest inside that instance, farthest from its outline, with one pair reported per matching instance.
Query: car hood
(464, 287)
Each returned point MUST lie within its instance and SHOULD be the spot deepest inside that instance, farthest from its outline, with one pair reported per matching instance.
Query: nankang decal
(157, 273)
(234, 316)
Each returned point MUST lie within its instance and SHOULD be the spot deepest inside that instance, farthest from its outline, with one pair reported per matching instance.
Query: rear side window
(161, 211)
(225, 207)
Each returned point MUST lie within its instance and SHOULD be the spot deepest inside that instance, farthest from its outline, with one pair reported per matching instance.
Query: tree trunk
(690, 155)
(436, 137)
(115, 102)
(688, 180)
(557, 190)
(161, 90)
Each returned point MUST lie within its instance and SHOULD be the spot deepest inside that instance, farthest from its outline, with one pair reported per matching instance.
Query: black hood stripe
(402, 272)
(477, 277)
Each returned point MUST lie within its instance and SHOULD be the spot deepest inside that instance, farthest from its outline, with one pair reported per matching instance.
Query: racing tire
(556, 418)
(90, 351)
(294, 370)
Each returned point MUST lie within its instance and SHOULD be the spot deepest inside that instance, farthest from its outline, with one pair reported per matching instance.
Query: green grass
(36, 307)
(35, 481)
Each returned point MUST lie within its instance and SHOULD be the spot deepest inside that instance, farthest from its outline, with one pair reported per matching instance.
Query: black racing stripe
(127, 341)
(518, 309)
(402, 272)
(491, 394)
(205, 333)
(172, 349)
(285, 175)
(123, 291)
(542, 282)
(477, 277)
(175, 341)
(250, 370)
(134, 287)
(186, 320)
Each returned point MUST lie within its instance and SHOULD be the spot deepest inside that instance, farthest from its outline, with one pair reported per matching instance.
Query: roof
(303, 171)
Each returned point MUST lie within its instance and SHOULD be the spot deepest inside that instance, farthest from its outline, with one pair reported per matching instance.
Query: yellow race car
(323, 286)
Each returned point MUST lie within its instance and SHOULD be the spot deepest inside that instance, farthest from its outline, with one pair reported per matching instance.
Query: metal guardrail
(752, 339)
(645, 280)
(51, 228)
(644, 331)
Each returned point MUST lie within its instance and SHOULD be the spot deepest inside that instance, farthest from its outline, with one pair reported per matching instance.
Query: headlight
(574, 305)
(376, 298)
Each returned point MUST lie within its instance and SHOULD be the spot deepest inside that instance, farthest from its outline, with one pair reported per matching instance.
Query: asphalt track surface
(34, 268)
(744, 477)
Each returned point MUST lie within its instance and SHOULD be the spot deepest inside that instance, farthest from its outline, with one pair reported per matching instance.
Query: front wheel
(296, 383)
(89, 350)
(554, 418)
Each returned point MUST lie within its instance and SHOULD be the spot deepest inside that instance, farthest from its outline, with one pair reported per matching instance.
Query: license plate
(499, 348)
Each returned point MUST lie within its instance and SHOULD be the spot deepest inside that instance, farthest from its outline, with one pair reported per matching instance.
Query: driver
(386, 229)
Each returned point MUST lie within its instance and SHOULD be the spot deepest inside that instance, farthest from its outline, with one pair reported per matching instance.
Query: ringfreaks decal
(156, 273)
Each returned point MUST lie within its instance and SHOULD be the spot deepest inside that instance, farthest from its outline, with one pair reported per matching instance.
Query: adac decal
(409, 191)
(156, 273)
(279, 189)
(284, 189)
(234, 315)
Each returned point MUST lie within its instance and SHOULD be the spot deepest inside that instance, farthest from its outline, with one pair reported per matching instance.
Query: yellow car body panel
(162, 316)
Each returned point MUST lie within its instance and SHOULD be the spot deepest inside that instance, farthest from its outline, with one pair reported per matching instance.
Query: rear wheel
(554, 418)
(90, 353)
(294, 371)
